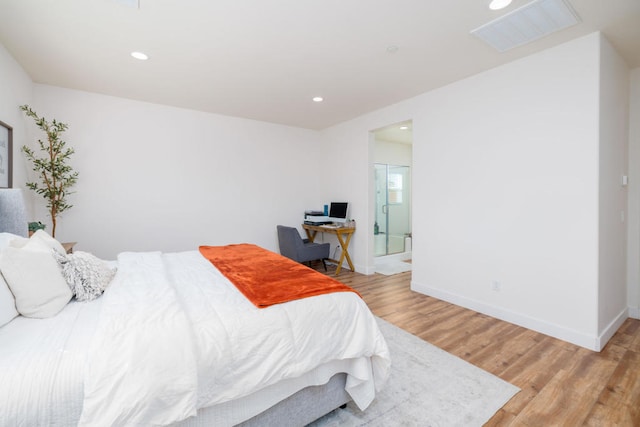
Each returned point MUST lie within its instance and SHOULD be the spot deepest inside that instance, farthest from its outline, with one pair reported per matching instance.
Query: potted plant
(35, 226)
(55, 174)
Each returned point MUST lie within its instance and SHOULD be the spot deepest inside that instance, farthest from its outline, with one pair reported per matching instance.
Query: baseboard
(368, 270)
(634, 312)
(590, 342)
(611, 328)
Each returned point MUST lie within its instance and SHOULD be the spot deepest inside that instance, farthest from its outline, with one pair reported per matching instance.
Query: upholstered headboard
(13, 214)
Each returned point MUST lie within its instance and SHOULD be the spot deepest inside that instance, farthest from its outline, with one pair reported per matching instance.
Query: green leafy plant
(56, 176)
(35, 226)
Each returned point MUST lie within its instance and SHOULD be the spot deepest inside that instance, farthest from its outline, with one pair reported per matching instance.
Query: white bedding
(41, 366)
(174, 336)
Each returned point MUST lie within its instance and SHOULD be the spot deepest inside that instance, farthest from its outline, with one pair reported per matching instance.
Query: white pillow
(40, 240)
(87, 275)
(7, 303)
(35, 280)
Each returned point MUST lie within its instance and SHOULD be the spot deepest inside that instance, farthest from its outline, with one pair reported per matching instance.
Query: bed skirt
(299, 409)
(305, 406)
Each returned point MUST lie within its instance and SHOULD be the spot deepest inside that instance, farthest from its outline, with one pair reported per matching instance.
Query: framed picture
(6, 155)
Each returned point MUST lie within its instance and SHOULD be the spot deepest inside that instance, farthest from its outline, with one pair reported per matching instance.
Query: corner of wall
(613, 164)
(611, 329)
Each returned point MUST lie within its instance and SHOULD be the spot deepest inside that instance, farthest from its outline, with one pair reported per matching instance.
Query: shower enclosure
(392, 227)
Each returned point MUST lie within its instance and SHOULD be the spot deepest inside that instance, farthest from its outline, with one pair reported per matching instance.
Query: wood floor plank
(619, 402)
(635, 343)
(501, 418)
(572, 393)
(534, 370)
(561, 384)
(496, 357)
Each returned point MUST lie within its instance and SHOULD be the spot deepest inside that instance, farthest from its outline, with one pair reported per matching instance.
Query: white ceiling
(265, 60)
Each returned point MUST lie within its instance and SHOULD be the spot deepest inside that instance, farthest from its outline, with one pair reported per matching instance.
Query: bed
(172, 341)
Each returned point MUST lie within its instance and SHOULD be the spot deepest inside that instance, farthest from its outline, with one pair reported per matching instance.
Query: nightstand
(69, 247)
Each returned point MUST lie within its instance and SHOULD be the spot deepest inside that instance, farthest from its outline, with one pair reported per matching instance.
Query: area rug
(427, 387)
(389, 268)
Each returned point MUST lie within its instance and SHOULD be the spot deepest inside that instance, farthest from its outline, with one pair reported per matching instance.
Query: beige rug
(427, 387)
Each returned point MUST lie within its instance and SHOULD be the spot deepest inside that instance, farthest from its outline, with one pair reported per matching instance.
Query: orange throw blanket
(267, 278)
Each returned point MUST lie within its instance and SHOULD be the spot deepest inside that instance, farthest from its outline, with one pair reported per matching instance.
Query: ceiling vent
(527, 23)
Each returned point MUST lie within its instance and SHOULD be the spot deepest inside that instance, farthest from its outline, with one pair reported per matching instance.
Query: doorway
(392, 159)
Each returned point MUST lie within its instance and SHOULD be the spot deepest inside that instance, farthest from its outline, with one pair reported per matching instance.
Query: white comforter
(174, 335)
(41, 366)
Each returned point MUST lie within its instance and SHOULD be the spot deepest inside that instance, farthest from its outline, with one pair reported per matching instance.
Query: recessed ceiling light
(404, 127)
(499, 4)
(139, 55)
(392, 49)
(318, 99)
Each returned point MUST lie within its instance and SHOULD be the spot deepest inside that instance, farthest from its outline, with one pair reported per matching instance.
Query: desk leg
(345, 252)
(311, 235)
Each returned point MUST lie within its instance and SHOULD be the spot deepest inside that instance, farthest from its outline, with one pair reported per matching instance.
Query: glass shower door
(393, 208)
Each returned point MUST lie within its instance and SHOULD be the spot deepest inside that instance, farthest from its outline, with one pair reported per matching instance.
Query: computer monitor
(338, 211)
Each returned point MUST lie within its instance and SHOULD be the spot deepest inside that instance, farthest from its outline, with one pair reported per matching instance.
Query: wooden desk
(340, 232)
(69, 247)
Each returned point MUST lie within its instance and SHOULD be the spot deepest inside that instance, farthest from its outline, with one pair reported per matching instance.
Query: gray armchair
(294, 247)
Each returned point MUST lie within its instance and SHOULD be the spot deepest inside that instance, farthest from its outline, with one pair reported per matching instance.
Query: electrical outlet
(495, 286)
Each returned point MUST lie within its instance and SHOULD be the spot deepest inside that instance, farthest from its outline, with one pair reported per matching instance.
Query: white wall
(154, 177)
(614, 138)
(509, 174)
(392, 153)
(633, 217)
(506, 189)
(16, 89)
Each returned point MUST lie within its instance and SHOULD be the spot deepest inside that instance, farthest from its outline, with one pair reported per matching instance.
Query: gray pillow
(87, 275)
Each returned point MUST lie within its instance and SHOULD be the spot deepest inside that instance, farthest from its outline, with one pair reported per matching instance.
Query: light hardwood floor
(562, 384)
